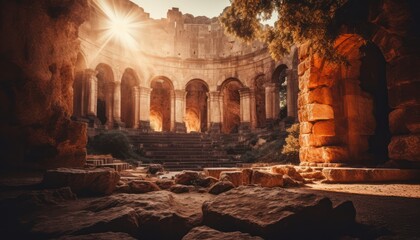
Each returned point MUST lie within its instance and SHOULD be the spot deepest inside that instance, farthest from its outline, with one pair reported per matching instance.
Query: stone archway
(279, 81)
(129, 98)
(344, 108)
(196, 106)
(231, 105)
(105, 93)
(161, 104)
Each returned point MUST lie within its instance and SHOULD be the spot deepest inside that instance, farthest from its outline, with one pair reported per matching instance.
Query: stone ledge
(368, 175)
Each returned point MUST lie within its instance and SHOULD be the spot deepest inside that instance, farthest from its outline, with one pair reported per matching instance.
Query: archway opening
(373, 81)
(279, 77)
(129, 81)
(156, 120)
(196, 106)
(104, 101)
(161, 102)
(231, 106)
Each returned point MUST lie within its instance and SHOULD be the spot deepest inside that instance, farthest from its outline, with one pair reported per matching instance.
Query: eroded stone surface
(100, 236)
(272, 213)
(206, 233)
(134, 214)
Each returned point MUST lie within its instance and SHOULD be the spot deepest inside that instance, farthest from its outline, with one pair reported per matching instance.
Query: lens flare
(120, 25)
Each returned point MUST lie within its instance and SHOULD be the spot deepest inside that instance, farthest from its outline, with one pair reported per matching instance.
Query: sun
(119, 25)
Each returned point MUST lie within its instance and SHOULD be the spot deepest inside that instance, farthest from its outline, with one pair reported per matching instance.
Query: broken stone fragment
(266, 179)
(178, 188)
(221, 187)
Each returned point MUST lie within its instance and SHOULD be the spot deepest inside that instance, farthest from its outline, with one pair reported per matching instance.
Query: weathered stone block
(404, 94)
(353, 175)
(306, 140)
(234, 177)
(266, 179)
(396, 121)
(403, 70)
(302, 67)
(97, 181)
(287, 170)
(305, 127)
(324, 128)
(406, 147)
(317, 111)
(215, 172)
(319, 95)
(412, 118)
(323, 154)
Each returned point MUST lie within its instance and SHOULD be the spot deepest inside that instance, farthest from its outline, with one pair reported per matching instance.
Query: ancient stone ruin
(180, 94)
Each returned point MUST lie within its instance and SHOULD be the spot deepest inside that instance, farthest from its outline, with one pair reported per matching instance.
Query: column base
(215, 127)
(180, 127)
(144, 126)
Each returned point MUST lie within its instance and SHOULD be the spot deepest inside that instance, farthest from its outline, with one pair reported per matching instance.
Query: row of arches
(107, 102)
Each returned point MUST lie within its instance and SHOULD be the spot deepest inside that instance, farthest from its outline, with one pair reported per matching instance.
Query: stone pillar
(117, 105)
(172, 120)
(93, 92)
(245, 109)
(179, 111)
(272, 102)
(253, 107)
(215, 113)
(292, 94)
(144, 98)
(136, 106)
(109, 102)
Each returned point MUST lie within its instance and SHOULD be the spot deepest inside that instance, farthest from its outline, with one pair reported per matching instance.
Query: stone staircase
(183, 151)
(107, 161)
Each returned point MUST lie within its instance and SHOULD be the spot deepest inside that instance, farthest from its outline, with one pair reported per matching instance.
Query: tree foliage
(298, 21)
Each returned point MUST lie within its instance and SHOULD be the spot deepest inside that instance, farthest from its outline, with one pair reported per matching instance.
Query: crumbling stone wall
(38, 51)
(337, 115)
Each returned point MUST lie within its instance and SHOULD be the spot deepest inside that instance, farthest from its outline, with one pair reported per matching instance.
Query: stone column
(292, 94)
(272, 107)
(109, 102)
(144, 98)
(92, 92)
(215, 114)
(136, 106)
(117, 105)
(245, 109)
(253, 107)
(179, 111)
(172, 120)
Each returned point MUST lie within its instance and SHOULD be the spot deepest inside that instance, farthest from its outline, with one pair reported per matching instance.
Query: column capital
(179, 93)
(244, 92)
(145, 90)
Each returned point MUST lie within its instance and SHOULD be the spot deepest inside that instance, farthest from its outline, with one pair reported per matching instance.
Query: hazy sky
(159, 8)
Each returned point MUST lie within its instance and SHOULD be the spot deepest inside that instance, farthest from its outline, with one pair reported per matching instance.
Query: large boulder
(96, 181)
(206, 233)
(272, 213)
(156, 215)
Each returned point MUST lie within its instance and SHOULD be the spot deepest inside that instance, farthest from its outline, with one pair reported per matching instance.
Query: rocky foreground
(100, 204)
